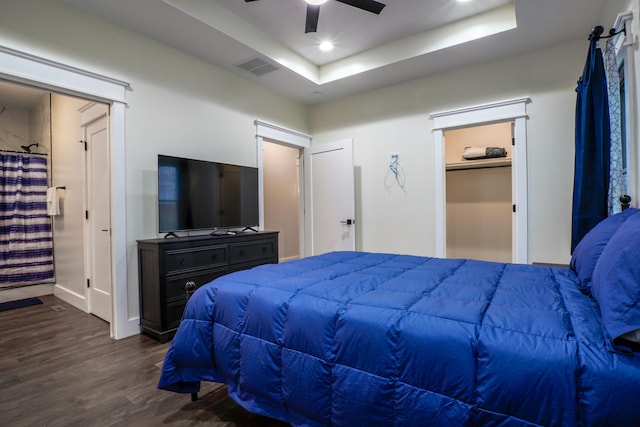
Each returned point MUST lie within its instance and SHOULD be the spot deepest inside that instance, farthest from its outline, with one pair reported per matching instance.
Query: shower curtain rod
(596, 33)
(22, 152)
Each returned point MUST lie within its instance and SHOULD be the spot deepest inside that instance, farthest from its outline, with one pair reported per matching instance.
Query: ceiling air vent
(257, 66)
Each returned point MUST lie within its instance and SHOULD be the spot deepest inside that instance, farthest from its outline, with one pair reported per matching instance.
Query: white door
(99, 217)
(331, 189)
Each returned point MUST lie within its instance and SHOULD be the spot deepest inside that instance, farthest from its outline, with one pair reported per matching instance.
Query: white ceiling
(409, 39)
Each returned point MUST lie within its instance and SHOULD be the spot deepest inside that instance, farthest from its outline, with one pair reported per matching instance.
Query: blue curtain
(591, 179)
(26, 241)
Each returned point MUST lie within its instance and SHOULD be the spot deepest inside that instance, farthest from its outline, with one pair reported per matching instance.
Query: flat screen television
(200, 195)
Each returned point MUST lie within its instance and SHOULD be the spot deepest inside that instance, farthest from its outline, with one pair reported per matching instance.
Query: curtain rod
(596, 33)
(22, 152)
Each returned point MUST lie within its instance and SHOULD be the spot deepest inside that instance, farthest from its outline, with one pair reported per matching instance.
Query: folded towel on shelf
(473, 153)
(53, 201)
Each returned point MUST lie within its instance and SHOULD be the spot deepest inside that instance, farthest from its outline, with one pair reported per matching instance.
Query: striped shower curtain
(26, 241)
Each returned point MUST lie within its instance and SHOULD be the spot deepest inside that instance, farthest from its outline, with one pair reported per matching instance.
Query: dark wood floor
(58, 367)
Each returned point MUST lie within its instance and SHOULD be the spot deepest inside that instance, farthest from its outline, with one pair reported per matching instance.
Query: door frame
(22, 67)
(89, 114)
(513, 110)
(279, 135)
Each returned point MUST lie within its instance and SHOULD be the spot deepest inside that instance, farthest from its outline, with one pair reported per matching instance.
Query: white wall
(396, 119)
(177, 104)
(612, 8)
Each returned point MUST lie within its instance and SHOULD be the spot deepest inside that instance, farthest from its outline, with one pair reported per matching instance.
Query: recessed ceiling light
(326, 46)
(315, 2)
(464, 1)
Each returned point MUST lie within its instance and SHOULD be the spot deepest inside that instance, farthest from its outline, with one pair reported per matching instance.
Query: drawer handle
(214, 257)
(264, 249)
(241, 252)
(182, 261)
(190, 288)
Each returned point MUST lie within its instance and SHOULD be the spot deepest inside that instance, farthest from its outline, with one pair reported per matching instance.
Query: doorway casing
(21, 67)
(279, 135)
(510, 110)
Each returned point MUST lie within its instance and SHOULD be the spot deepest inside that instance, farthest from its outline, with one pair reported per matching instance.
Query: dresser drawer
(252, 251)
(174, 312)
(175, 283)
(166, 265)
(193, 258)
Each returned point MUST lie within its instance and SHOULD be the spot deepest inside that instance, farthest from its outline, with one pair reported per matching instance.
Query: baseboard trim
(130, 328)
(78, 301)
(288, 258)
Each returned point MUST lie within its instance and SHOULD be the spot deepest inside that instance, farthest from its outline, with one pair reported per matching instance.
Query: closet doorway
(280, 178)
(478, 192)
(512, 114)
(281, 174)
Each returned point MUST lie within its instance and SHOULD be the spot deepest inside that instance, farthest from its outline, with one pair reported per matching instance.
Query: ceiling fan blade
(313, 12)
(368, 5)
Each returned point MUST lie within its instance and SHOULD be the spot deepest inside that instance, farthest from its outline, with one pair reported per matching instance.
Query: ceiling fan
(313, 10)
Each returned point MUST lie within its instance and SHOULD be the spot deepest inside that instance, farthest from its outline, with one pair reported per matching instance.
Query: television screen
(196, 194)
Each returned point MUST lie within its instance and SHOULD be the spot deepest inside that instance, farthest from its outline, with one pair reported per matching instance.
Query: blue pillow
(586, 254)
(616, 280)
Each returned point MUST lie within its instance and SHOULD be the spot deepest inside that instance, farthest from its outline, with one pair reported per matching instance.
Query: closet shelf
(479, 164)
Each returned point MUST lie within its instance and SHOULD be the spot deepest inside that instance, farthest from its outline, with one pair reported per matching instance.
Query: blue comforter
(355, 339)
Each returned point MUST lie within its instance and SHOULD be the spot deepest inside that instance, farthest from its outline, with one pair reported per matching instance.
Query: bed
(355, 338)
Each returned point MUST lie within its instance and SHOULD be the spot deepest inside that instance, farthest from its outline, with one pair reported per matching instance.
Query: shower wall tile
(40, 125)
(22, 126)
(14, 127)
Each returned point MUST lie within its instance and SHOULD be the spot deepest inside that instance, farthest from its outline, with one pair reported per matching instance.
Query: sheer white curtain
(617, 183)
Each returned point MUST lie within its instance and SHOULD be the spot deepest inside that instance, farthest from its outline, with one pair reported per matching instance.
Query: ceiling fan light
(326, 46)
(315, 2)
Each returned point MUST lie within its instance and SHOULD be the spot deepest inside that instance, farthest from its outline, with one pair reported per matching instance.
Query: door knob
(348, 221)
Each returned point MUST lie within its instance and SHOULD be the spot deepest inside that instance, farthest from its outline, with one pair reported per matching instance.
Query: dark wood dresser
(166, 265)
